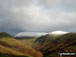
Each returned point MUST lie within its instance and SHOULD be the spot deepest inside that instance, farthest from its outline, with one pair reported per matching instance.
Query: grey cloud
(33, 15)
(69, 4)
(50, 3)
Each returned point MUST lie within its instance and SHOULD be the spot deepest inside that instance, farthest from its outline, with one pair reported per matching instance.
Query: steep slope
(11, 46)
(52, 45)
(44, 40)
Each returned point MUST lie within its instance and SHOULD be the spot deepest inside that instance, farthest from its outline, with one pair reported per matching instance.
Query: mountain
(4, 34)
(29, 37)
(48, 45)
(54, 43)
(10, 47)
(29, 34)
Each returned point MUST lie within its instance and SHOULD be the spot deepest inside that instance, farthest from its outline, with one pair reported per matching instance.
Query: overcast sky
(37, 15)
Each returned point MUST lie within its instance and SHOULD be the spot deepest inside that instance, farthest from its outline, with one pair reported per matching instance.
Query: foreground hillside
(14, 48)
(51, 45)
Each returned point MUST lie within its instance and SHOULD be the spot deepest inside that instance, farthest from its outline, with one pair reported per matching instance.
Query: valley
(49, 45)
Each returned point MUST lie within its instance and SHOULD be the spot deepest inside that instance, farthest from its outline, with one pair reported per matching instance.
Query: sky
(37, 16)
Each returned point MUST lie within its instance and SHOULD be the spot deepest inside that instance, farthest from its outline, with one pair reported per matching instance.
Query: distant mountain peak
(58, 32)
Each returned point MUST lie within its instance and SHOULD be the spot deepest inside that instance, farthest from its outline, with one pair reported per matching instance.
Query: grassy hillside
(42, 41)
(49, 45)
(28, 41)
(13, 47)
(52, 45)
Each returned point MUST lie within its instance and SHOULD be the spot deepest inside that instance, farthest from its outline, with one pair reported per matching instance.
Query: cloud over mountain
(37, 15)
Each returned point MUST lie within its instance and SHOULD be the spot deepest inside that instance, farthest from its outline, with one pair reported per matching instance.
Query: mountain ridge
(56, 45)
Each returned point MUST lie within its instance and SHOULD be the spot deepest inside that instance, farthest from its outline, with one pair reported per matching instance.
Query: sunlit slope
(12, 46)
(8, 51)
